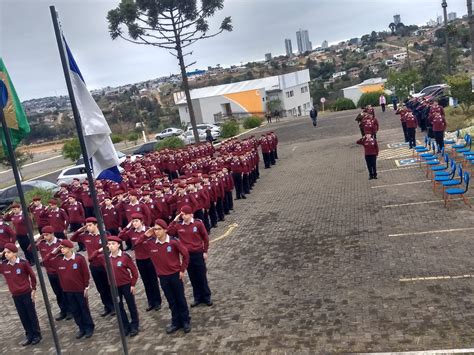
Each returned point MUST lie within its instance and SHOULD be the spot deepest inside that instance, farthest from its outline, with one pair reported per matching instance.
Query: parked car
(188, 137)
(433, 90)
(10, 194)
(168, 132)
(79, 171)
(120, 155)
(145, 148)
(215, 130)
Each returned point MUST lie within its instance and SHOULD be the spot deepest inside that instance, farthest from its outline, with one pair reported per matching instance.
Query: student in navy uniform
(126, 276)
(74, 277)
(371, 150)
(193, 235)
(170, 259)
(21, 281)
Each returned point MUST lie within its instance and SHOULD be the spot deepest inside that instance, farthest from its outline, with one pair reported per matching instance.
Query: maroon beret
(12, 247)
(53, 202)
(114, 238)
(137, 216)
(133, 193)
(67, 243)
(161, 223)
(186, 209)
(47, 229)
(91, 220)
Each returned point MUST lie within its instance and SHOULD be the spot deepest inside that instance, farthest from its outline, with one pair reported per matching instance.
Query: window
(74, 171)
(290, 94)
(304, 89)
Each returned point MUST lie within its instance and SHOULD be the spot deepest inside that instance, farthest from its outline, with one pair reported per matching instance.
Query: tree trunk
(471, 30)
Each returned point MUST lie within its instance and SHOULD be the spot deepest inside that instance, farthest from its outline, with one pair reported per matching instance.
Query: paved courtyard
(321, 261)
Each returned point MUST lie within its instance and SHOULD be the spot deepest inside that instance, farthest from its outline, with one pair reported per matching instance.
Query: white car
(121, 156)
(188, 137)
(79, 171)
(169, 132)
(215, 130)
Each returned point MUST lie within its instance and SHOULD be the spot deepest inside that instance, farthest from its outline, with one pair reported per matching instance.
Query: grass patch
(456, 119)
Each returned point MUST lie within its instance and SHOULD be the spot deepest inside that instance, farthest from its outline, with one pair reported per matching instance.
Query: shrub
(230, 128)
(45, 195)
(343, 104)
(116, 138)
(133, 137)
(72, 149)
(370, 98)
(252, 122)
(170, 143)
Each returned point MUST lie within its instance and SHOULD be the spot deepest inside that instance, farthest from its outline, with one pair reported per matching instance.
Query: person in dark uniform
(126, 276)
(89, 235)
(16, 216)
(371, 150)
(170, 259)
(193, 235)
(21, 281)
(45, 245)
(313, 114)
(74, 277)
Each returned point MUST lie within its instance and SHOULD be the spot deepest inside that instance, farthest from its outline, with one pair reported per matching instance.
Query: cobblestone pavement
(316, 262)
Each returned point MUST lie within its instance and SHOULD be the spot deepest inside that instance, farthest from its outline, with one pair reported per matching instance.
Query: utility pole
(444, 5)
(471, 30)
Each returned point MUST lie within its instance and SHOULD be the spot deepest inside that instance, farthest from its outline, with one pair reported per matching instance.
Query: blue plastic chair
(461, 145)
(459, 191)
(433, 168)
(467, 148)
(440, 178)
(454, 182)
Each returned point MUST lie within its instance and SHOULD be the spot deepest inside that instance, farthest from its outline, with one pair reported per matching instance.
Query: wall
(298, 99)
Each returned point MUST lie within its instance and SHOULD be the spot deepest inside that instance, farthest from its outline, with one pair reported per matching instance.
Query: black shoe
(26, 342)
(112, 313)
(195, 304)
(157, 307)
(375, 177)
(171, 328)
(209, 303)
(149, 308)
(89, 334)
(133, 333)
(238, 198)
(187, 327)
(371, 177)
(69, 316)
(244, 197)
(60, 317)
(35, 340)
(80, 334)
(105, 312)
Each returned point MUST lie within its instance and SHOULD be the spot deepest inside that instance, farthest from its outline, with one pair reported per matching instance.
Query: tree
(461, 89)
(402, 82)
(392, 27)
(170, 24)
(21, 158)
(72, 149)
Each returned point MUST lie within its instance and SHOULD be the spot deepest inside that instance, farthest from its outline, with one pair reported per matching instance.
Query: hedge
(170, 143)
(343, 104)
(252, 122)
(230, 128)
(371, 98)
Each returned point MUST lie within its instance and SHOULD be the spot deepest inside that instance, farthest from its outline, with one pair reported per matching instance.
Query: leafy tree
(72, 149)
(343, 104)
(274, 105)
(170, 143)
(402, 82)
(230, 128)
(461, 89)
(392, 27)
(170, 24)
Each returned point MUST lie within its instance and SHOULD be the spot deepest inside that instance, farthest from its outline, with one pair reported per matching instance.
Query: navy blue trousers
(27, 312)
(79, 308)
(197, 272)
(150, 281)
(102, 284)
(125, 293)
(173, 289)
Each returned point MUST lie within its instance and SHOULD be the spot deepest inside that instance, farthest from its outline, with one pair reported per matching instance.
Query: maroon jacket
(75, 212)
(138, 208)
(370, 145)
(73, 273)
(18, 223)
(411, 121)
(58, 219)
(44, 249)
(40, 217)
(112, 217)
(20, 277)
(193, 235)
(438, 122)
(168, 258)
(125, 271)
(7, 235)
(133, 235)
(91, 242)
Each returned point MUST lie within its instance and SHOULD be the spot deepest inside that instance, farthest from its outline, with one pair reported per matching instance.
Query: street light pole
(444, 5)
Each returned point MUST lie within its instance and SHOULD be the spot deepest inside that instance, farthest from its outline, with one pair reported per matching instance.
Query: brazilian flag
(14, 114)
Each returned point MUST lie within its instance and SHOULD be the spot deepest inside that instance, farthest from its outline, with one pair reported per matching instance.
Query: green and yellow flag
(14, 114)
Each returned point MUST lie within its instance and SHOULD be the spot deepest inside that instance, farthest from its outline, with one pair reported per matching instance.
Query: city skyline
(30, 53)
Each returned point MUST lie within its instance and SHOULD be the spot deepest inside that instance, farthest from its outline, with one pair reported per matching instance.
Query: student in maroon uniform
(74, 277)
(111, 215)
(16, 216)
(133, 232)
(21, 281)
(57, 218)
(135, 206)
(45, 245)
(439, 124)
(76, 215)
(371, 150)
(37, 209)
(90, 236)
(170, 259)
(412, 124)
(7, 235)
(126, 276)
(193, 235)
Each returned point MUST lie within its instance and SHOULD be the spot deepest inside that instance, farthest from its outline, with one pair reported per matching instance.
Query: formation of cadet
(369, 126)
(425, 113)
(163, 209)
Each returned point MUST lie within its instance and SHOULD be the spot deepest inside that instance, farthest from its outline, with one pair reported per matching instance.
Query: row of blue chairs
(442, 169)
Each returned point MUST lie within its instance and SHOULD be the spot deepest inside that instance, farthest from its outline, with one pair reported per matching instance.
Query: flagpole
(97, 212)
(26, 218)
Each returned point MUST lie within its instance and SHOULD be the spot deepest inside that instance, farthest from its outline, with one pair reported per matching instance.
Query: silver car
(169, 132)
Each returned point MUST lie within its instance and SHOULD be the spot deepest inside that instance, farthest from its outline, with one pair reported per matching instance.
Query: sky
(29, 50)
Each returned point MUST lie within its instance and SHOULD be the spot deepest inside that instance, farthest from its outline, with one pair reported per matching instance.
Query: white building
(396, 19)
(288, 47)
(325, 44)
(400, 56)
(339, 74)
(212, 104)
(452, 16)
(302, 39)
